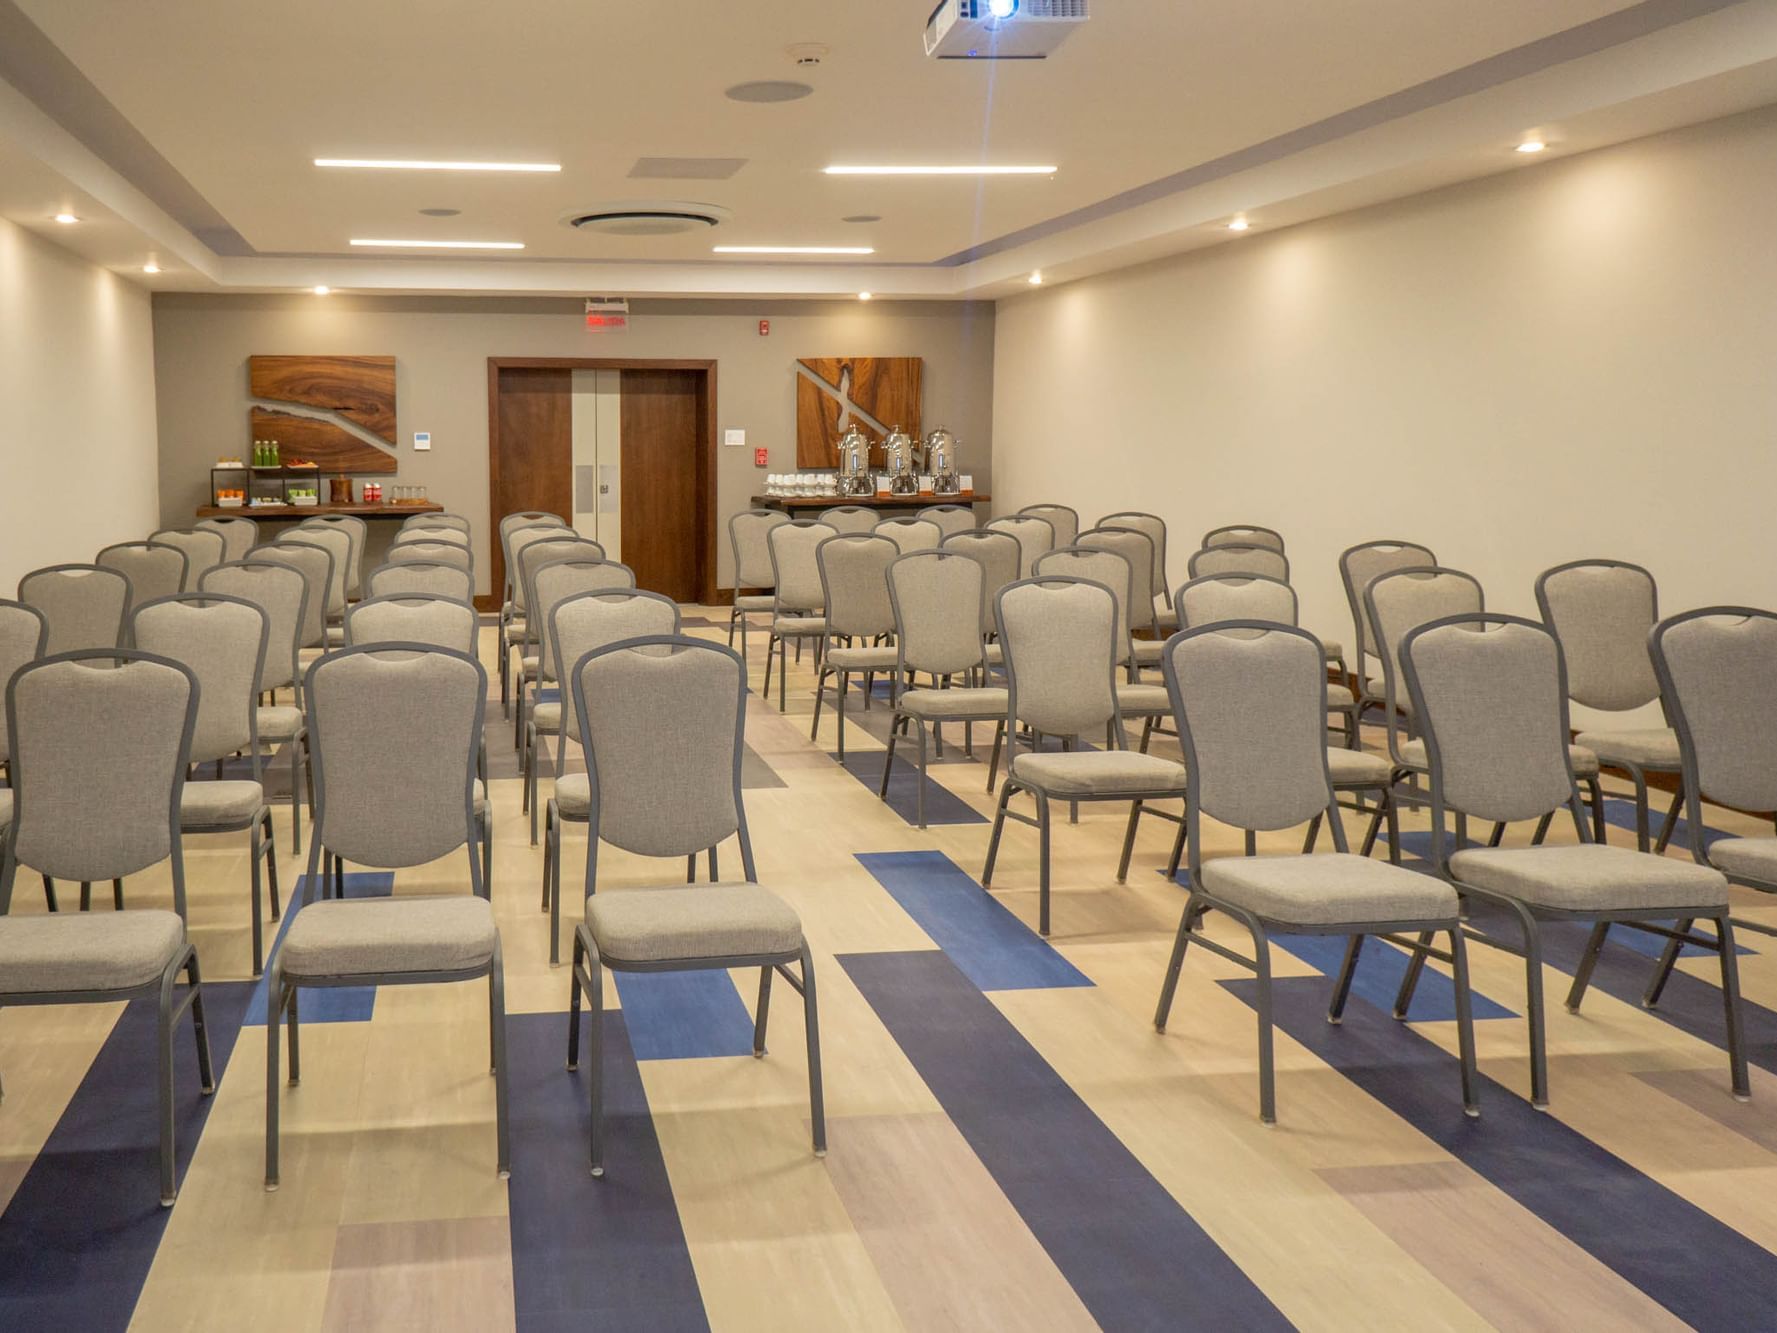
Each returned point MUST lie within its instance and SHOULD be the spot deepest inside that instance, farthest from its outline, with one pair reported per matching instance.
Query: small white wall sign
(422, 440)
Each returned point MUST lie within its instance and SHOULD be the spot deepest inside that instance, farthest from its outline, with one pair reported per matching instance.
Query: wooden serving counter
(318, 510)
(797, 504)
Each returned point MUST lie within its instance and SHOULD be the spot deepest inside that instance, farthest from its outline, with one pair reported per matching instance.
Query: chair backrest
(1230, 558)
(1717, 669)
(663, 746)
(949, 518)
(520, 538)
(430, 532)
(845, 519)
(1001, 559)
(454, 522)
(222, 640)
(438, 622)
(239, 535)
(1490, 693)
(1059, 637)
(23, 632)
(84, 605)
(910, 534)
(795, 572)
(394, 730)
(1358, 566)
(359, 532)
(203, 548)
(588, 621)
(409, 577)
(98, 762)
(282, 593)
(530, 518)
(1035, 536)
(936, 599)
(1098, 564)
(566, 576)
(747, 533)
(431, 553)
(1138, 549)
(338, 544)
(1249, 697)
(1603, 611)
(315, 563)
(531, 549)
(854, 583)
(1064, 522)
(1244, 534)
(1400, 602)
(1218, 597)
(154, 569)
(1154, 528)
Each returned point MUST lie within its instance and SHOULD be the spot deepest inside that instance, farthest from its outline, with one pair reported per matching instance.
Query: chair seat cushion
(799, 626)
(1646, 747)
(1585, 762)
(1332, 650)
(1743, 858)
(87, 950)
(994, 654)
(862, 659)
(1098, 773)
(547, 717)
(1327, 890)
(219, 805)
(706, 921)
(755, 602)
(336, 636)
(1591, 877)
(573, 795)
(1148, 652)
(5, 807)
(1357, 768)
(340, 937)
(987, 702)
(279, 723)
(529, 666)
(1338, 696)
(1143, 700)
(1166, 618)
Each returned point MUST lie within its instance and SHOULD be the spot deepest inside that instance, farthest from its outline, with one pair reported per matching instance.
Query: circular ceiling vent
(646, 218)
(769, 90)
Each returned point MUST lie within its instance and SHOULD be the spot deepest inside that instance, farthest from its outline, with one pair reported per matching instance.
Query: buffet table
(318, 510)
(809, 505)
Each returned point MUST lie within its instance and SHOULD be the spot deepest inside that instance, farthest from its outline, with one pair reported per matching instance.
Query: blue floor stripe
(1136, 1259)
(988, 944)
(78, 1237)
(1380, 968)
(587, 1253)
(684, 1015)
(1629, 1222)
(942, 805)
(326, 1004)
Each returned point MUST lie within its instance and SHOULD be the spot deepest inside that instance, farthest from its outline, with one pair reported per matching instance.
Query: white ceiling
(239, 98)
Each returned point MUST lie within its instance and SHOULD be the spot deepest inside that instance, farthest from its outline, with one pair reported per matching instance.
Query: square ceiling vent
(686, 168)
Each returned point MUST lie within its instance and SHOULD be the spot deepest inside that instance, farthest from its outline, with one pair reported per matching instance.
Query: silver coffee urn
(941, 463)
(854, 463)
(897, 452)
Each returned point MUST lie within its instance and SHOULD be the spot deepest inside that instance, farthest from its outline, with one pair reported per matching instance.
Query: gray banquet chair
(1137, 548)
(315, 564)
(1159, 586)
(23, 632)
(1230, 558)
(580, 625)
(797, 606)
(154, 569)
(221, 640)
(239, 535)
(747, 534)
(411, 533)
(1136, 700)
(949, 518)
(358, 532)
(418, 579)
(1001, 559)
(1062, 521)
(935, 597)
(530, 557)
(98, 762)
(1243, 534)
(1359, 566)
(1248, 699)
(455, 522)
(663, 757)
(85, 606)
(337, 542)
(432, 553)
(847, 519)
(911, 534)
(282, 593)
(510, 617)
(854, 589)
(1603, 612)
(1035, 537)
(1060, 637)
(396, 729)
(1508, 759)
(203, 547)
(1717, 669)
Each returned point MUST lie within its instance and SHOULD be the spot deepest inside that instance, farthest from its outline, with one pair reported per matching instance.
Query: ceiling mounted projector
(1001, 29)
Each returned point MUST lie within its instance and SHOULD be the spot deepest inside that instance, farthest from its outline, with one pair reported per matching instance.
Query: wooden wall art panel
(884, 390)
(331, 445)
(359, 388)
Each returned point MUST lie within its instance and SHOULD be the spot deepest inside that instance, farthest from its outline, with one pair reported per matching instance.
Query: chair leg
(1656, 984)
(1533, 989)
(1178, 848)
(888, 757)
(1403, 999)
(1369, 843)
(820, 688)
(86, 895)
(817, 1102)
(1128, 842)
(258, 911)
(296, 797)
(1163, 1010)
(548, 852)
(920, 796)
(274, 1007)
(1542, 829)
(1042, 863)
(1597, 794)
(200, 1030)
(759, 1014)
(783, 674)
(839, 709)
(1667, 828)
(993, 763)
(49, 895)
(1730, 998)
(574, 1005)
(1342, 987)
(117, 895)
(1582, 976)
(169, 1188)
(1465, 1022)
(271, 865)
(1394, 828)
(993, 841)
(595, 1005)
(1267, 1069)
(496, 987)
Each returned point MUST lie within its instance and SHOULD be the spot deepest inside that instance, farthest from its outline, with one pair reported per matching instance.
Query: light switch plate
(734, 439)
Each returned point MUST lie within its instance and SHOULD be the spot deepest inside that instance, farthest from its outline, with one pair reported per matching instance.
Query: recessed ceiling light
(440, 212)
(1036, 278)
(864, 296)
(1239, 224)
(395, 164)
(863, 217)
(941, 171)
(794, 250)
(1531, 146)
(322, 291)
(440, 245)
(151, 267)
(66, 219)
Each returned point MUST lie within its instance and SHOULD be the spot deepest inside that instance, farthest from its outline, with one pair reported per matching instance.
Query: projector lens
(1002, 9)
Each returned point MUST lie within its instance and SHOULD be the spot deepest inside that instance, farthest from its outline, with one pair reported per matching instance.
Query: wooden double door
(625, 450)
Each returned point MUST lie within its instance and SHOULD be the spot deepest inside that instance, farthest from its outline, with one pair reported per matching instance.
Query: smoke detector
(646, 217)
(807, 53)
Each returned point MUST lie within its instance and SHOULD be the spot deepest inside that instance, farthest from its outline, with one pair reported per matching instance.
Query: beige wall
(441, 347)
(76, 408)
(1577, 358)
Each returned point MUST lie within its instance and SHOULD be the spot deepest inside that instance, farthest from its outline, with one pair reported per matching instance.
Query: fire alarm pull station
(765, 328)
(761, 458)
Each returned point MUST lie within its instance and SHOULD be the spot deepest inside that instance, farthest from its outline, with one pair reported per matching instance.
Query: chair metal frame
(1236, 531)
(184, 565)
(194, 531)
(775, 643)
(123, 615)
(737, 617)
(531, 518)
(1036, 511)
(357, 532)
(823, 662)
(425, 565)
